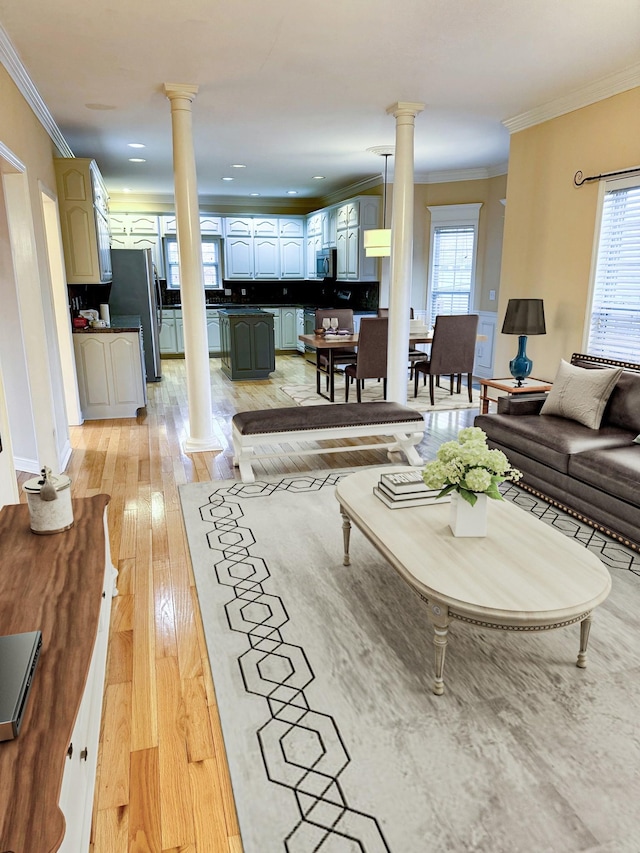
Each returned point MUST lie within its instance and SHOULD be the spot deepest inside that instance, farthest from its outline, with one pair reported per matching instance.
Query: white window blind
(614, 330)
(452, 270)
(210, 263)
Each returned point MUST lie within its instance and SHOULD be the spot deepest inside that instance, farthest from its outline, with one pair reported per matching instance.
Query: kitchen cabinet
(277, 336)
(49, 770)
(138, 231)
(168, 343)
(353, 218)
(111, 374)
(134, 223)
(266, 257)
(247, 343)
(209, 225)
(299, 328)
(313, 246)
(288, 328)
(83, 204)
(291, 227)
(235, 226)
(264, 248)
(238, 258)
(213, 331)
(292, 257)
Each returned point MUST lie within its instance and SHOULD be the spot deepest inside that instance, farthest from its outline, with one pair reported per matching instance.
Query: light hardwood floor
(163, 783)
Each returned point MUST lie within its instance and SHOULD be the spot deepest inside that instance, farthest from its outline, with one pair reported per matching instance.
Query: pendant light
(377, 241)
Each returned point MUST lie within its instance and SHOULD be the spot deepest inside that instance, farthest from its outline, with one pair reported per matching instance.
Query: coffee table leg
(439, 618)
(585, 626)
(346, 534)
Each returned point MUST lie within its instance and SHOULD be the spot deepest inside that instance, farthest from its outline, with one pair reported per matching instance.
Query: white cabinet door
(288, 328)
(299, 328)
(314, 244)
(277, 336)
(329, 228)
(179, 335)
(265, 226)
(341, 261)
(266, 257)
(238, 253)
(211, 225)
(353, 249)
(213, 331)
(292, 257)
(291, 227)
(110, 369)
(168, 333)
(238, 226)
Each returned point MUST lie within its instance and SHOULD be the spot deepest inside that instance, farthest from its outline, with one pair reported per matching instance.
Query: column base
(198, 445)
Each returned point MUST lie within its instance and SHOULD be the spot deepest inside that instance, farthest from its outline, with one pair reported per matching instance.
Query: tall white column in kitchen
(194, 315)
(401, 250)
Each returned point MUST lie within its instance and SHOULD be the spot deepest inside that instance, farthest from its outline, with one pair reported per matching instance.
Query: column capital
(405, 108)
(180, 90)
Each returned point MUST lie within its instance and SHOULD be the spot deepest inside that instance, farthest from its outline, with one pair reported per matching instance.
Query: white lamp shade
(377, 242)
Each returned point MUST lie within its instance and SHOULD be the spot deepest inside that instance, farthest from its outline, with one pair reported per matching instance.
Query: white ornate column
(194, 315)
(401, 250)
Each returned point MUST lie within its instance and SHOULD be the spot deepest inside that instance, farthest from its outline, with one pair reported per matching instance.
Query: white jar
(50, 516)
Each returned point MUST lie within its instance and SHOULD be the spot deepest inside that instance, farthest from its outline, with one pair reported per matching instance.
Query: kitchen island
(110, 369)
(247, 343)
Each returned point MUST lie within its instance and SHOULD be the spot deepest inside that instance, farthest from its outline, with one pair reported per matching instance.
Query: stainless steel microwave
(326, 263)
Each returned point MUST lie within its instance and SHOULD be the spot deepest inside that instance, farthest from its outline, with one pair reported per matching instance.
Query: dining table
(335, 342)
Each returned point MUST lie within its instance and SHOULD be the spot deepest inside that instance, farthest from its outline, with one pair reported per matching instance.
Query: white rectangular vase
(467, 520)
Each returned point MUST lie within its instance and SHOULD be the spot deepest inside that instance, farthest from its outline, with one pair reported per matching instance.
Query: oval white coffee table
(523, 576)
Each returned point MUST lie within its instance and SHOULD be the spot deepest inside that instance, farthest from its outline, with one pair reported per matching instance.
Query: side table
(509, 386)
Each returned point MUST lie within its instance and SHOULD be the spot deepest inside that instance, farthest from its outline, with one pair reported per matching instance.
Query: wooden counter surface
(51, 583)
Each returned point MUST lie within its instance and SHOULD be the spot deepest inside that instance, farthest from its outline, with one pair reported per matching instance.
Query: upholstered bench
(294, 424)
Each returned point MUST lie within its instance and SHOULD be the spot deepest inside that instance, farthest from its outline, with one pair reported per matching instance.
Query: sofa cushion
(581, 394)
(623, 408)
(548, 439)
(614, 470)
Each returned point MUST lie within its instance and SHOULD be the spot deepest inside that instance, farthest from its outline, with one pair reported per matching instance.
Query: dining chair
(371, 358)
(340, 355)
(452, 352)
(414, 354)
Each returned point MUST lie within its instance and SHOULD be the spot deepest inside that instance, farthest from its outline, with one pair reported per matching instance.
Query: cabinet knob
(84, 754)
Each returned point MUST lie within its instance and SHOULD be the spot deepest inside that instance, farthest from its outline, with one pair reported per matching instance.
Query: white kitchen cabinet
(313, 244)
(266, 257)
(291, 226)
(83, 204)
(179, 333)
(314, 224)
(238, 226)
(141, 241)
(288, 328)
(213, 331)
(265, 226)
(134, 223)
(111, 374)
(211, 225)
(238, 256)
(353, 218)
(168, 343)
(79, 777)
(329, 228)
(291, 257)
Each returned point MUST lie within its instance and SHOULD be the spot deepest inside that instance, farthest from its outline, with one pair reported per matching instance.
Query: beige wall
(490, 192)
(549, 223)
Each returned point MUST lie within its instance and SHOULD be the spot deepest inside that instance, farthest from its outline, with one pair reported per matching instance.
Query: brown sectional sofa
(594, 474)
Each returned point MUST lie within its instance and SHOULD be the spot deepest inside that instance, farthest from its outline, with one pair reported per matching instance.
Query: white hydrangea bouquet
(469, 467)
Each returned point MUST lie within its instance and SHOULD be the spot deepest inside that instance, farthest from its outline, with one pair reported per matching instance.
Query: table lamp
(524, 317)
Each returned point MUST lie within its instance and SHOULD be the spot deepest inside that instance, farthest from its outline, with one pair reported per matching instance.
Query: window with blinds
(452, 266)
(210, 263)
(614, 330)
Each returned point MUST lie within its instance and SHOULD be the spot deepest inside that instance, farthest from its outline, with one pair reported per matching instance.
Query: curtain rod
(579, 179)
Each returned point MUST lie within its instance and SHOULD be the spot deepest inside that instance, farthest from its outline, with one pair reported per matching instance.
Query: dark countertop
(242, 310)
(119, 323)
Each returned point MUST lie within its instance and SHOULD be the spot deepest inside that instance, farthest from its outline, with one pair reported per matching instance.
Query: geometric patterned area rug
(305, 395)
(323, 677)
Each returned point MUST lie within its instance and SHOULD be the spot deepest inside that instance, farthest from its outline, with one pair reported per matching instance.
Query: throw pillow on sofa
(581, 394)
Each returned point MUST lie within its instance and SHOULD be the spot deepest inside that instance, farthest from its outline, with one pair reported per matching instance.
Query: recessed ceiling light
(238, 166)
(254, 193)
(227, 179)
(318, 177)
(136, 145)
(292, 192)
(137, 160)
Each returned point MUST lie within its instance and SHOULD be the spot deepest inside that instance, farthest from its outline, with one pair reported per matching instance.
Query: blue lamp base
(521, 366)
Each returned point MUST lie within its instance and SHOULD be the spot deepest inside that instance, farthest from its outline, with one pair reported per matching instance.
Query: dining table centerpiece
(469, 471)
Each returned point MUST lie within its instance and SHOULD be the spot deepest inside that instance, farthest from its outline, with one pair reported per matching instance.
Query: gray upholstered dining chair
(452, 352)
(371, 358)
(341, 355)
(414, 354)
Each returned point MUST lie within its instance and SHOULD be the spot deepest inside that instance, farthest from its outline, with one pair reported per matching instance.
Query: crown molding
(481, 173)
(20, 76)
(606, 87)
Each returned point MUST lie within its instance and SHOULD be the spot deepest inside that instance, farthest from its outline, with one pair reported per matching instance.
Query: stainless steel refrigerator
(135, 289)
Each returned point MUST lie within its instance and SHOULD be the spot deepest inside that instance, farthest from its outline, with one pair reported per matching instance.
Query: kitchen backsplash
(362, 296)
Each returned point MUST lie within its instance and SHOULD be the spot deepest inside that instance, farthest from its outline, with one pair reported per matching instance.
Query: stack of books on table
(405, 489)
